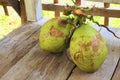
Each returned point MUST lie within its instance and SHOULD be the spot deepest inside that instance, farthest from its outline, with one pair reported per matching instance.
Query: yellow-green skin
(53, 35)
(88, 49)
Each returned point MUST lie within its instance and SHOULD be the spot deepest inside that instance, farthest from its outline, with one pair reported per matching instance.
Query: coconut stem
(92, 19)
(80, 17)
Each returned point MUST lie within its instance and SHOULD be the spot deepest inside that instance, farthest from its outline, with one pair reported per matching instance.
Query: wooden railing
(107, 5)
(57, 8)
(96, 11)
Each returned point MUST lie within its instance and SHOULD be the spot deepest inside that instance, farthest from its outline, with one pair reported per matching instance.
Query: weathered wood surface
(16, 45)
(117, 72)
(40, 65)
(36, 64)
(22, 59)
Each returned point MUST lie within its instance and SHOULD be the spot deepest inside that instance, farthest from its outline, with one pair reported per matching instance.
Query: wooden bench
(22, 59)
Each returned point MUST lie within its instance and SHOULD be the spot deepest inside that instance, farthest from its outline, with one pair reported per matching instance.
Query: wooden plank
(40, 65)
(33, 10)
(117, 72)
(57, 13)
(106, 1)
(15, 45)
(106, 12)
(96, 11)
(53, 7)
(107, 69)
(4, 2)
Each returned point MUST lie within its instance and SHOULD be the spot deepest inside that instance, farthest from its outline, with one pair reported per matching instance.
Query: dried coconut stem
(91, 18)
(85, 16)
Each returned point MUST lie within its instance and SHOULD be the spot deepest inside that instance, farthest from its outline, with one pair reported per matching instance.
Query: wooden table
(22, 59)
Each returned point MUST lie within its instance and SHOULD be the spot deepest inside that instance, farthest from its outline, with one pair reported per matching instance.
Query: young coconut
(88, 49)
(54, 34)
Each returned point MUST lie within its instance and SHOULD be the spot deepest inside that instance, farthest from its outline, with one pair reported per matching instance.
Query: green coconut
(88, 49)
(54, 34)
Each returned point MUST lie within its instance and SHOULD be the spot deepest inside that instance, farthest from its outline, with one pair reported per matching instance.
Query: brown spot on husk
(98, 36)
(62, 22)
(92, 64)
(46, 35)
(78, 55)
(96, 43)
(85, 46)
(55, 32)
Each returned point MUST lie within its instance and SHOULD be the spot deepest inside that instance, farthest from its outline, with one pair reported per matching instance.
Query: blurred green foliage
(8, 23)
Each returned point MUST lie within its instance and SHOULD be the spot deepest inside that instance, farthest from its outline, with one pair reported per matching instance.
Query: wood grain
(22, 59)
(40, 65)
(36, 64)
(15, 45)
(107, 69)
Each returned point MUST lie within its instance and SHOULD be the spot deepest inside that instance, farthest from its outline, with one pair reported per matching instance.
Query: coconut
(54, 34)
(88, 49)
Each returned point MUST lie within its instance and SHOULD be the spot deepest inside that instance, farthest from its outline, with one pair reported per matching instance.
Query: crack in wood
(71, 72)
(115, 69)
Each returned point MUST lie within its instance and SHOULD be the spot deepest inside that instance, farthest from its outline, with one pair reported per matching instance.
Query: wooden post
(57, 13)
(15, 4)
(33, 10)
(5, 10)
(78, 2)
(106, 19)
(23, 12)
